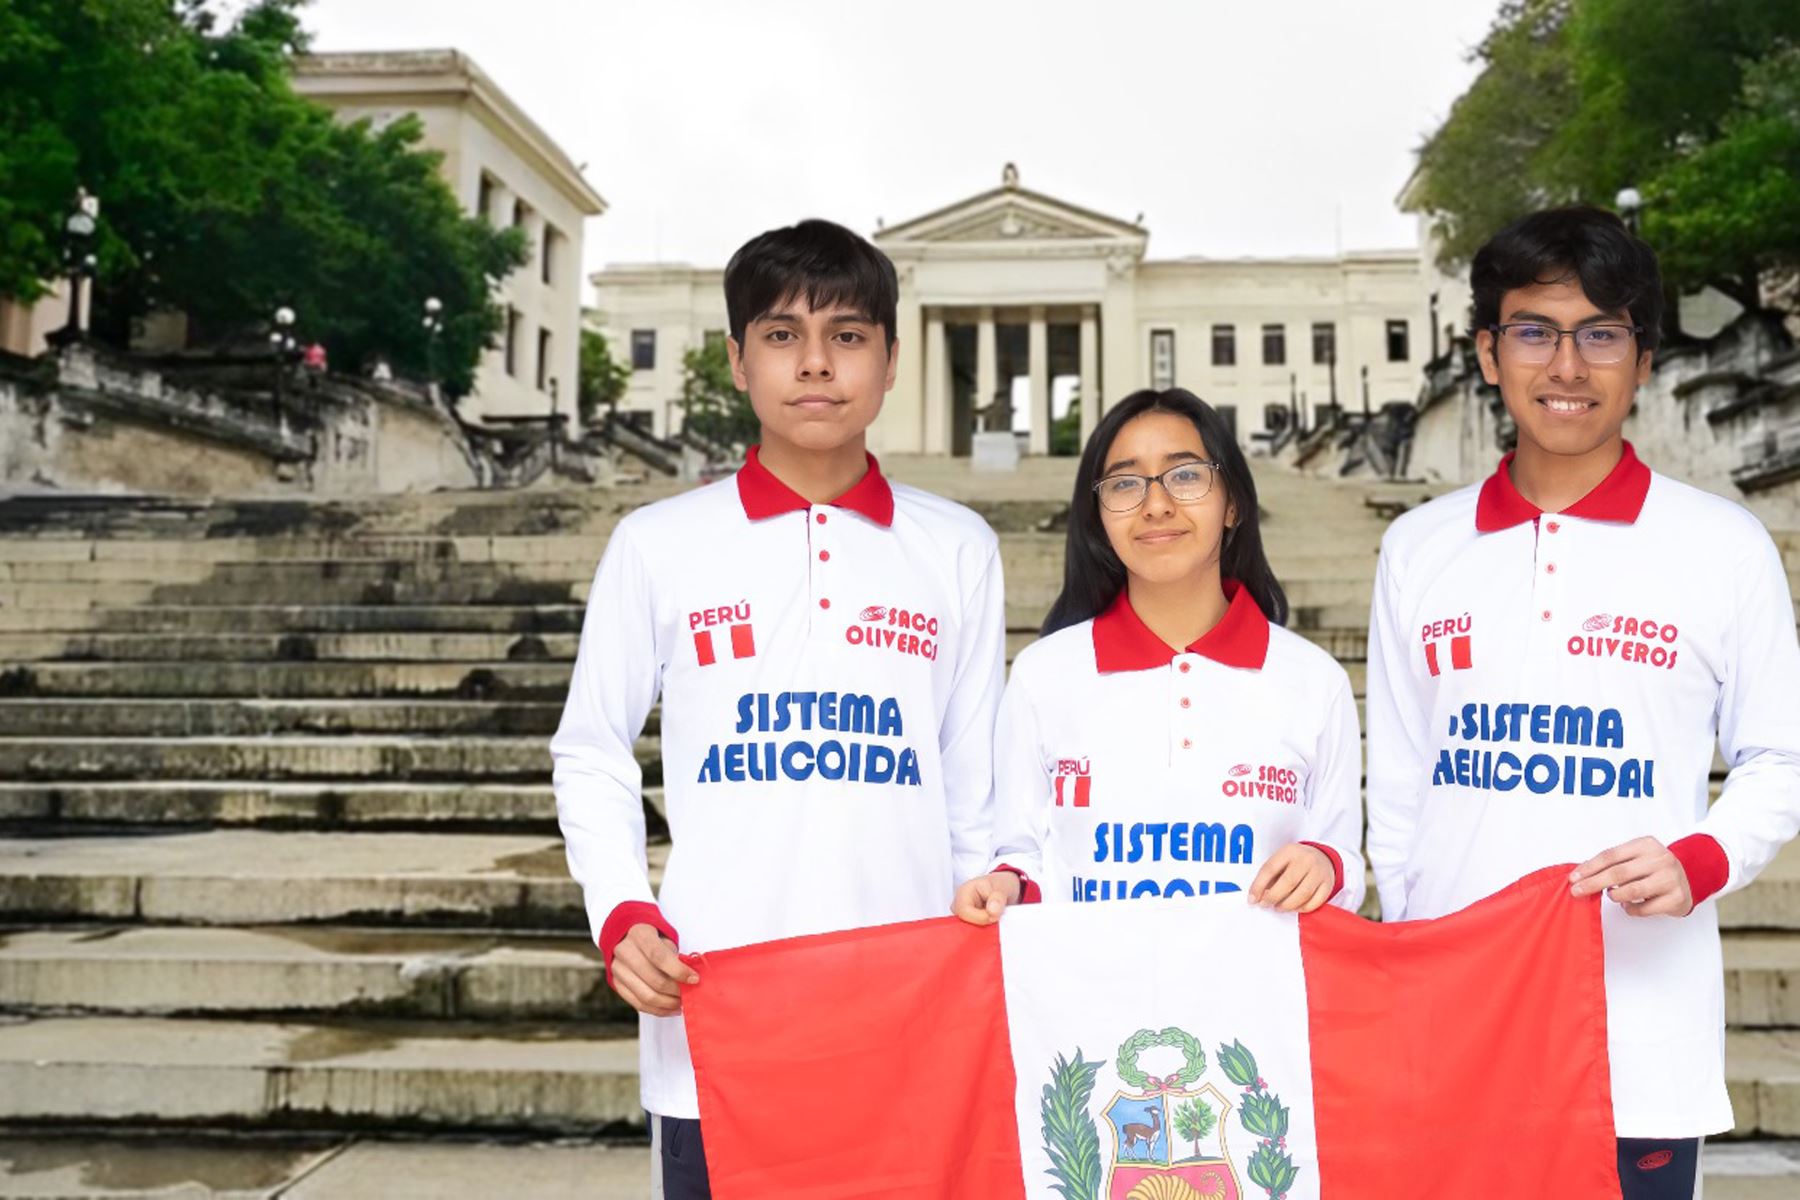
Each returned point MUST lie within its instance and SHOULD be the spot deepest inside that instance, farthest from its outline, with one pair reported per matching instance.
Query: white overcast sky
(1247, 127)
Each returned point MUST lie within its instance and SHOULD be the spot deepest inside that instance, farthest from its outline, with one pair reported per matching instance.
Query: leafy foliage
(1071, 1138)
(1695, 105)
(226, 195)
(711, 405)
(1194, 1119)
(603, 377)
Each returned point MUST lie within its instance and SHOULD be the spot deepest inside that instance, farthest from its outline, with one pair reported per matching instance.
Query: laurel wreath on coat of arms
(1072, 1138)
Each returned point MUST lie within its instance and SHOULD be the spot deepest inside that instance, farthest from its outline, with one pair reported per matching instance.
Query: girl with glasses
(1167, 736)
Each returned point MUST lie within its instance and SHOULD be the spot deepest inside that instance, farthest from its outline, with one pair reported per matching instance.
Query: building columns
(935, 360)
(987, 361)
(1038, 353)
(1090, 373)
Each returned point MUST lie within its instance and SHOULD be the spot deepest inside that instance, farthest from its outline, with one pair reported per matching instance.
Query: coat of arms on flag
(1171, 1137)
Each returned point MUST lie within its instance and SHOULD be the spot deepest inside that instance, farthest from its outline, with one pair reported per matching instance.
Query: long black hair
(1093, 576)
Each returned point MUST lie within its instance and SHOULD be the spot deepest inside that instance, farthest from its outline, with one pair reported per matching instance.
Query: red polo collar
(1122, 642)
(1619, 497)
(764, 495)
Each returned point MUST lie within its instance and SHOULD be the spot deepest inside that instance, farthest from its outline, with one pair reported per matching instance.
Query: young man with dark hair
(828, 648)
(1552, 655)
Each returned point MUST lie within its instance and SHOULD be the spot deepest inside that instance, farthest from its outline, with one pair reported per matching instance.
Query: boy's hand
(647, 973)
(1643, 875)
(1295, 879)
(981, 900)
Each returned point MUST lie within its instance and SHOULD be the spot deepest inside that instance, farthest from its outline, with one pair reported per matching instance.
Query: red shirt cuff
(1701, 856)
(1337, 867)
(1029, 891)
(619, 923)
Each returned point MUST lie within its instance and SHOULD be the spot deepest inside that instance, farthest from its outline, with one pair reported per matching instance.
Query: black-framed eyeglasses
(1186, 483)
(1535, 342)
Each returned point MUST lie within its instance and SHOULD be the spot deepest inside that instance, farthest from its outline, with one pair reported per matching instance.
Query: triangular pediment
(1008, 215)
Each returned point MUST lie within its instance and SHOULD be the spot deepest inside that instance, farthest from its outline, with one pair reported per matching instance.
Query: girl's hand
(1296, 878)
(981, 900)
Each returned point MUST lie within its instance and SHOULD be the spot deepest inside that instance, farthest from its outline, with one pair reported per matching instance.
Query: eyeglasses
(1186, 483)
(1598, 345)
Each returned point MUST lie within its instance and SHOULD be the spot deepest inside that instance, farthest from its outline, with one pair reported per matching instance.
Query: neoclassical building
(503, 167)
(1016, 294)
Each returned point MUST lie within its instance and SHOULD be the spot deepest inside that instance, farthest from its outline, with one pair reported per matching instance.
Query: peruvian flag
(1165, 1050)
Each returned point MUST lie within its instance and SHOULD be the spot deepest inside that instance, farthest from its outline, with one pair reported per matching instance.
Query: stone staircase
(277, 843)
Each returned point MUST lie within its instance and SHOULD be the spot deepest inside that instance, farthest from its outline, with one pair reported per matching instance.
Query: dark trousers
(1658, 1168)
(682, 1158)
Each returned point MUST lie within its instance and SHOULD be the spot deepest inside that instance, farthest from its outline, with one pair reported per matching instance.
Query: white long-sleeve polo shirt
(1545, 686)
(829, 675)
(1126, 769)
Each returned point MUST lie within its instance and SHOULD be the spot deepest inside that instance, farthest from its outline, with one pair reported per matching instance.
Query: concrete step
(449, 759)
(1770, 903)
(164, 1163)
(287, 647)
(238, 877)
(1762, 980)
(201, 618)
(316, 592)
(199, 717)
(283, 572)
(1762, 1071)
(361, 804)
(542, 681)
(368, 1074)
(303, 972)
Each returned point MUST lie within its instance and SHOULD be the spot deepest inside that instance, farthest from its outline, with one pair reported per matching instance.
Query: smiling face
(816, 377)
(1565, 406)
(1162, 540)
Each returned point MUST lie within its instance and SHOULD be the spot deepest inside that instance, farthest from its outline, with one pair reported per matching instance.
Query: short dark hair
(1093, 576)
(818, 261)
(1614, 266)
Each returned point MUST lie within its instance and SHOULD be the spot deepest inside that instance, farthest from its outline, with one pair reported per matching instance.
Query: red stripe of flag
(1431, 656)
(743, 642)
(1459, 653)
(1082, 788)
(703, 648)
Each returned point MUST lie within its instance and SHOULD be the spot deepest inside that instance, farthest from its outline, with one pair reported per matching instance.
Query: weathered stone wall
(1722, 414)
(86, 422)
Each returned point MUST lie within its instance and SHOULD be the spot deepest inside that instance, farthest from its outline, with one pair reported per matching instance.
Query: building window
(713, 339)
(1162, 359)
(543, 360)
(512, 340)
(1324, 343)
(551, 249)
(484, 198)
(1399, 343)
(643, 349)
(520, 208)
(1224, 346)
(1274, 345)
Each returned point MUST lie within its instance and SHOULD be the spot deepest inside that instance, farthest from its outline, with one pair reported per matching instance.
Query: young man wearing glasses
(1552, 655)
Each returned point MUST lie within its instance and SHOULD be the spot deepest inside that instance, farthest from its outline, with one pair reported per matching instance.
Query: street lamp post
(434, 325)
(556, 426)
(79, 258)
(1630, 203)
(1365, 392)
(281, 341)
(1435, 347)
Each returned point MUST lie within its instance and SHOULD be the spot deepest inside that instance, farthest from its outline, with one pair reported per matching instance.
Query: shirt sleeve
(1334, 820)
(1022, 787)
(599, 785)
(1398, 752)
(1759, 723)
(966, 734)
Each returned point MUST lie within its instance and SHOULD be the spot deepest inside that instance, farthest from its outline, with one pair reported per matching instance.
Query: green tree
(711, 405)
(603, 377)
(1194, 1119)
(226, 195)
(1691, 103)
